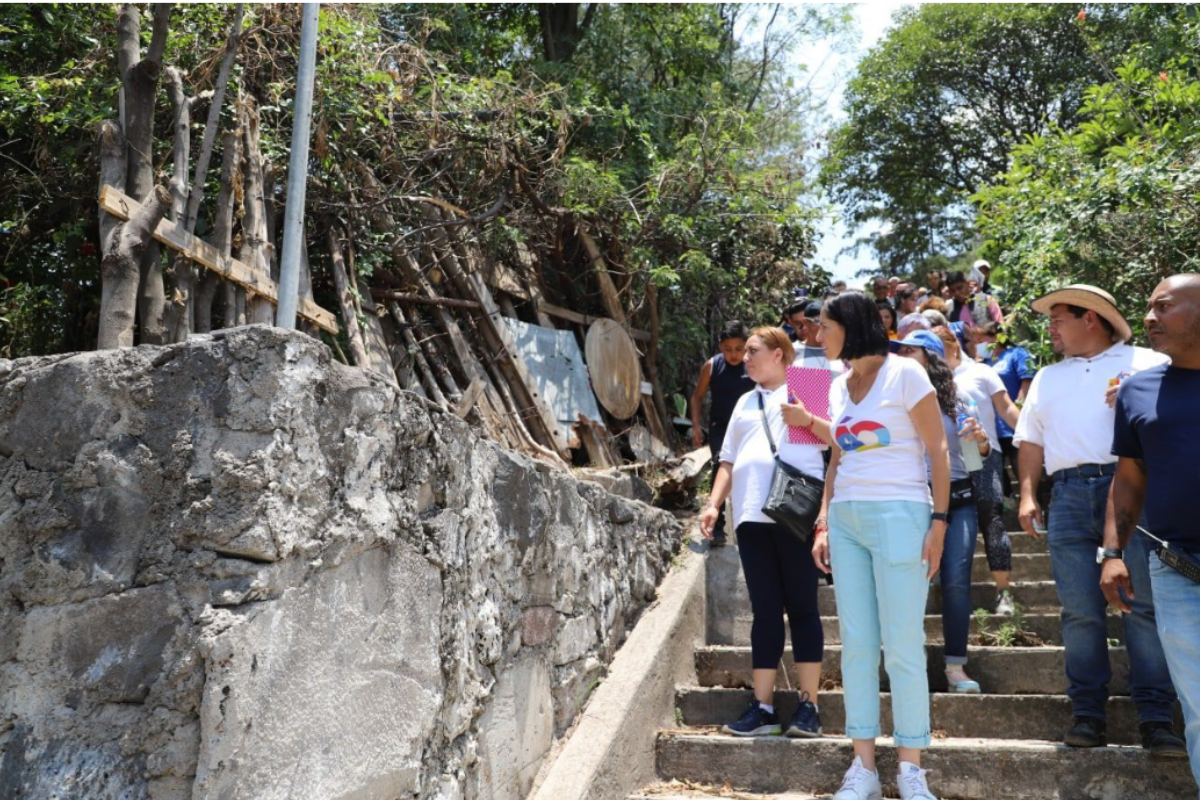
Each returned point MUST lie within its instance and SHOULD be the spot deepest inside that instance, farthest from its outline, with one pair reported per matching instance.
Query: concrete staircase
(999, 745)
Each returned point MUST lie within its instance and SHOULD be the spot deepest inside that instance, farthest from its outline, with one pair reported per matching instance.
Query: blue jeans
(875, 548)
(1177, 607)
(955, 577)
(1077, 508)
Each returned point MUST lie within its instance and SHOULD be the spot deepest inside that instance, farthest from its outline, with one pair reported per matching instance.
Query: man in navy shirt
(1156, 437)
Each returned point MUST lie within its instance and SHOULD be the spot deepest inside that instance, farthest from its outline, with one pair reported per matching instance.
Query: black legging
(780, 574)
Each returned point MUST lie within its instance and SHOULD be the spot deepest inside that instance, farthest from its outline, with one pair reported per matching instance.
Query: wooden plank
(468, 399)
(585, 319)
(172, 235)
(471, 284)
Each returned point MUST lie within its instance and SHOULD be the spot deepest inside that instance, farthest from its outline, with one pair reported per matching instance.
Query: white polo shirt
(1065, 412)
(747, 448)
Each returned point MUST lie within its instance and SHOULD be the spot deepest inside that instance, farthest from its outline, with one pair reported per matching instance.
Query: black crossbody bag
(795, 498)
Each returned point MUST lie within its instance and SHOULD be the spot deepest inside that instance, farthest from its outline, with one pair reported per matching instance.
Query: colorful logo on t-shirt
(861, 436)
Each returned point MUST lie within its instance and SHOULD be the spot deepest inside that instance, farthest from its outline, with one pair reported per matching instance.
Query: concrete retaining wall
(234, 569)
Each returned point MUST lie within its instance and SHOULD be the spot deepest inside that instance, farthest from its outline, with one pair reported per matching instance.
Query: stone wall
(233, 568)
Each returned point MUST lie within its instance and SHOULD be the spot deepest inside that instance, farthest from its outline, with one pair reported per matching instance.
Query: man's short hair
(1079, 311)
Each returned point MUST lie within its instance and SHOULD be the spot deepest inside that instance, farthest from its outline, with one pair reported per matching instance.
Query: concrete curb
(610, 754)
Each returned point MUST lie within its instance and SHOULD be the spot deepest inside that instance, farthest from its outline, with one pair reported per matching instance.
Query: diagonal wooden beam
(172, 234)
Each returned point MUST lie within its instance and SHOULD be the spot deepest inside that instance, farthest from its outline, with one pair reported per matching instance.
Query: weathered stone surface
(234, 568)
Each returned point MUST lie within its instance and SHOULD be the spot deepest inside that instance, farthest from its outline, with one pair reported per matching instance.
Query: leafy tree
(936, 107)
(1115, 201)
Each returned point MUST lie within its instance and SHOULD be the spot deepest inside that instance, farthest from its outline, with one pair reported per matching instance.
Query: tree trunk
(112, 173)
(358, 350)
(222, 232)
(213, 123)
(120, 271)
(253, 251)
(139, 86)
(180, 310)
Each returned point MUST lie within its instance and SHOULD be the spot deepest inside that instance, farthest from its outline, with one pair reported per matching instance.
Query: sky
(831, 75)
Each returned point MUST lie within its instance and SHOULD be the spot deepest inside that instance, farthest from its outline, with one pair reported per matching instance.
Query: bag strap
(766, 427)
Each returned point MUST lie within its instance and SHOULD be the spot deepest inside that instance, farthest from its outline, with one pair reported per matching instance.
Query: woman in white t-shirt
(982, 384)
(780, 573)
(877, 532)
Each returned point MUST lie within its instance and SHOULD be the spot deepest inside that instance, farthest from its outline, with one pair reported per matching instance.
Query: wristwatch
(1105, 553)
(940, 516)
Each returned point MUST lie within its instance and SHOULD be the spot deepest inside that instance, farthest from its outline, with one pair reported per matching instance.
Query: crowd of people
(935, 422)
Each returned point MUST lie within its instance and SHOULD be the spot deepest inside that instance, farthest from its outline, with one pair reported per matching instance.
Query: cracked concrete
(234, 568)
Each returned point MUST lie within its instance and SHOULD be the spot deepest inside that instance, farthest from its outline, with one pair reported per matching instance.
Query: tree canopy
(677, 135)
(936, 107)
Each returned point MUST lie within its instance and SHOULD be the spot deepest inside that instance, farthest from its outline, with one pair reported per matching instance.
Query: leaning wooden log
(408, 299)
(428, 343)
(358, 350)
(256, 248)
(421, 366)
(596, 442)
(612, 304)
(500, 341)
(687, 474)
(120, 271)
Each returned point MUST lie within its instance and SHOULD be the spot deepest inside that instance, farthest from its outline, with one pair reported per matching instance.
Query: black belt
(1085, 471)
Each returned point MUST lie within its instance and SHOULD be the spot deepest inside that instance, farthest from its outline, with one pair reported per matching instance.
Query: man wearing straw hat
(1066, 425)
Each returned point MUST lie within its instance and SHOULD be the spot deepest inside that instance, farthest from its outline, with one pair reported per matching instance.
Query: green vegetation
(676, 135)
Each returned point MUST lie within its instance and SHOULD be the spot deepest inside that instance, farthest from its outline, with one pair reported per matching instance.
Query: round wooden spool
(612, 361)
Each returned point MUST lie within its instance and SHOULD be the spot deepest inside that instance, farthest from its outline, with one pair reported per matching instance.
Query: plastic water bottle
(972, 460)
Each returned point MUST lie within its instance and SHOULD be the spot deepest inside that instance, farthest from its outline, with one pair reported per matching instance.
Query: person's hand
(708, 519)
(935, 540)
(796, 415)
(973, 430)
(1030, 516)
(820, 550)
(1113, 579)
(697, 437)
(1110, 395)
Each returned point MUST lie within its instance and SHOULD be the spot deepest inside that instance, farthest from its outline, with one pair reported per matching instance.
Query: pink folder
(809, 385)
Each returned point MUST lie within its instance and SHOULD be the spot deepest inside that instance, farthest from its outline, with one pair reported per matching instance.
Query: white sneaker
(911, 781)
(860, 783)
(1004, 604)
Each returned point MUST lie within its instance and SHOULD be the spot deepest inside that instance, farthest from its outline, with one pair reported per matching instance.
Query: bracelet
(712, 504)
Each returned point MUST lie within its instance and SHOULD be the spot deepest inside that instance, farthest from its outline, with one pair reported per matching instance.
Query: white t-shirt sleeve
(914, 383)
(1029, 423)
(992, 382)
(729, 446)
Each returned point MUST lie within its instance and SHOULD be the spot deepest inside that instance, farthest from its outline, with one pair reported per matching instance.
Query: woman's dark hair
(884, 305)
(859, 316)
(904, 294)
(943, 383)
(796, 308)
(733, 330)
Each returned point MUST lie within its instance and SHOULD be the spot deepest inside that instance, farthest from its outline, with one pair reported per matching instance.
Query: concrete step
(961, 769)
(1046, 626)
(1030, 595)
(1022, 543)
(1025, 567)
(1025, 716)
(678, 790)
(999, 670)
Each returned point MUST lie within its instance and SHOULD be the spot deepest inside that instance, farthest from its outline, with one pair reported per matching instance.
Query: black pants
(716, 437)
(780, 574)
(1010, 461)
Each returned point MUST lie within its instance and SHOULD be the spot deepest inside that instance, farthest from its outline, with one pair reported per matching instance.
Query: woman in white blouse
(780, 573)
(882, 531)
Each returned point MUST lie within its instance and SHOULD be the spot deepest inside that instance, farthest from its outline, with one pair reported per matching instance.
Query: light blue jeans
(1177, 609)
(875, 548)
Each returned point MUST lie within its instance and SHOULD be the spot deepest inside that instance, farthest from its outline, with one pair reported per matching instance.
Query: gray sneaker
(1004, 604)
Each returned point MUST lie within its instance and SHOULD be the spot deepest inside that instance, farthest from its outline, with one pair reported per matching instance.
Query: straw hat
(1091, 298)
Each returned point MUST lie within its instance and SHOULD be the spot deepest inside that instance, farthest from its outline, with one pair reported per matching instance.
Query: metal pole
(293, 218)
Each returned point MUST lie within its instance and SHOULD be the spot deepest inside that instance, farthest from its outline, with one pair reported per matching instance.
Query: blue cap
(927, 340)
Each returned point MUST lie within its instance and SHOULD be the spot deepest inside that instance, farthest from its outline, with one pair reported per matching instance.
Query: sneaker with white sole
(959, 682)
(911, 782)
(860, 783)
(1004, 604)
